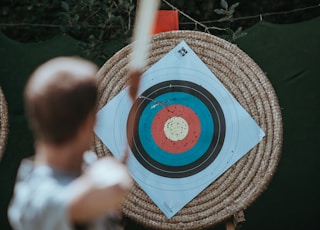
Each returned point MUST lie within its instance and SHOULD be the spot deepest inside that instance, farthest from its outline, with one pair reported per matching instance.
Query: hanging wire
(206, 28)
(30, 24)
(257, 16)
(193, 21)
(277, 13)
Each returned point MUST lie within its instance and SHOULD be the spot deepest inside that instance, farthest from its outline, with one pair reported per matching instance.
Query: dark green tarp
(290, 57)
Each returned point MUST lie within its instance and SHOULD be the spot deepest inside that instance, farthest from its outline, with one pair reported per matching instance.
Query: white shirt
(40, 200)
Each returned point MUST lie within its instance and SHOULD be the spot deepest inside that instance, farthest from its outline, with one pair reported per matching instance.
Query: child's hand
(108, 172)
(100, 190)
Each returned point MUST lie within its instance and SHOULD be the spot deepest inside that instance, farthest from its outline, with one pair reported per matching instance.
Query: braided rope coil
(4, 126)
(241, 184)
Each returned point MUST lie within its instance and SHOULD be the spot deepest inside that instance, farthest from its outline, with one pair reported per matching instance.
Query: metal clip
(235, 222)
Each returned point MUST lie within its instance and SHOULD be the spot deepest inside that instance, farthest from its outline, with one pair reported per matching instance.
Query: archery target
(178, 128)
(175, 128)
(184, 130)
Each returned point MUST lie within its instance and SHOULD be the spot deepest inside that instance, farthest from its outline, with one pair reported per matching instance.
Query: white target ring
(176, 128)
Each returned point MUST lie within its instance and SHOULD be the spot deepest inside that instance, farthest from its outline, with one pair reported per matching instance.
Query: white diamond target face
(185, 129)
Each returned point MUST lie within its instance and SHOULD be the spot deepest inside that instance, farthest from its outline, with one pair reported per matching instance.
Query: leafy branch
(227, 15)
(94, 22)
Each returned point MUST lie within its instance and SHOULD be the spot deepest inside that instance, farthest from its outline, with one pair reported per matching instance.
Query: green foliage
(99, 21)
(93, 22)
(227, 15)
(232, 36)
(217, 15)
(224, 4)
(226, 12)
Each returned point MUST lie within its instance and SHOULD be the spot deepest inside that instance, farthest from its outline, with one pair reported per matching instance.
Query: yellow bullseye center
(176, 128)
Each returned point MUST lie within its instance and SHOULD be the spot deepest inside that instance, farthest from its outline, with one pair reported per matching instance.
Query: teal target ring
(200, 145)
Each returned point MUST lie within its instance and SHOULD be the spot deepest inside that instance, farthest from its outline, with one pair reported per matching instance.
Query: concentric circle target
(176, 128)
(237, 187)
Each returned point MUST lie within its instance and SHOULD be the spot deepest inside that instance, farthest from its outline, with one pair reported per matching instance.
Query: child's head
(59, 96)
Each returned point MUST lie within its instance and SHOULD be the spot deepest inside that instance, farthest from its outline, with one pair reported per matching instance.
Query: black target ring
(206, 158)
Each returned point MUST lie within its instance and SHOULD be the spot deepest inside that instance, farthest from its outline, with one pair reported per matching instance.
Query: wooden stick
(141, 35)
(141, 42)
(140, 50)
(230, 225)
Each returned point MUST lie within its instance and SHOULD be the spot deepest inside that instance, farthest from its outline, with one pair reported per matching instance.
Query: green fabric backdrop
(290, 57)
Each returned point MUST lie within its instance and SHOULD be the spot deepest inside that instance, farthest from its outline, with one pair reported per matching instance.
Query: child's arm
(102, 189)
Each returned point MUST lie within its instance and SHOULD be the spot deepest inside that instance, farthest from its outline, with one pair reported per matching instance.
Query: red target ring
(154, 118)
(176, 129)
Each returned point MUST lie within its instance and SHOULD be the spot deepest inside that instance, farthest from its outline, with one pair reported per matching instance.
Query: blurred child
(51, 191)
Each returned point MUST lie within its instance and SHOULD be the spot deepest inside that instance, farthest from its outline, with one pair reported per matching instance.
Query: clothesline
(193, 21)
(260, 16)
